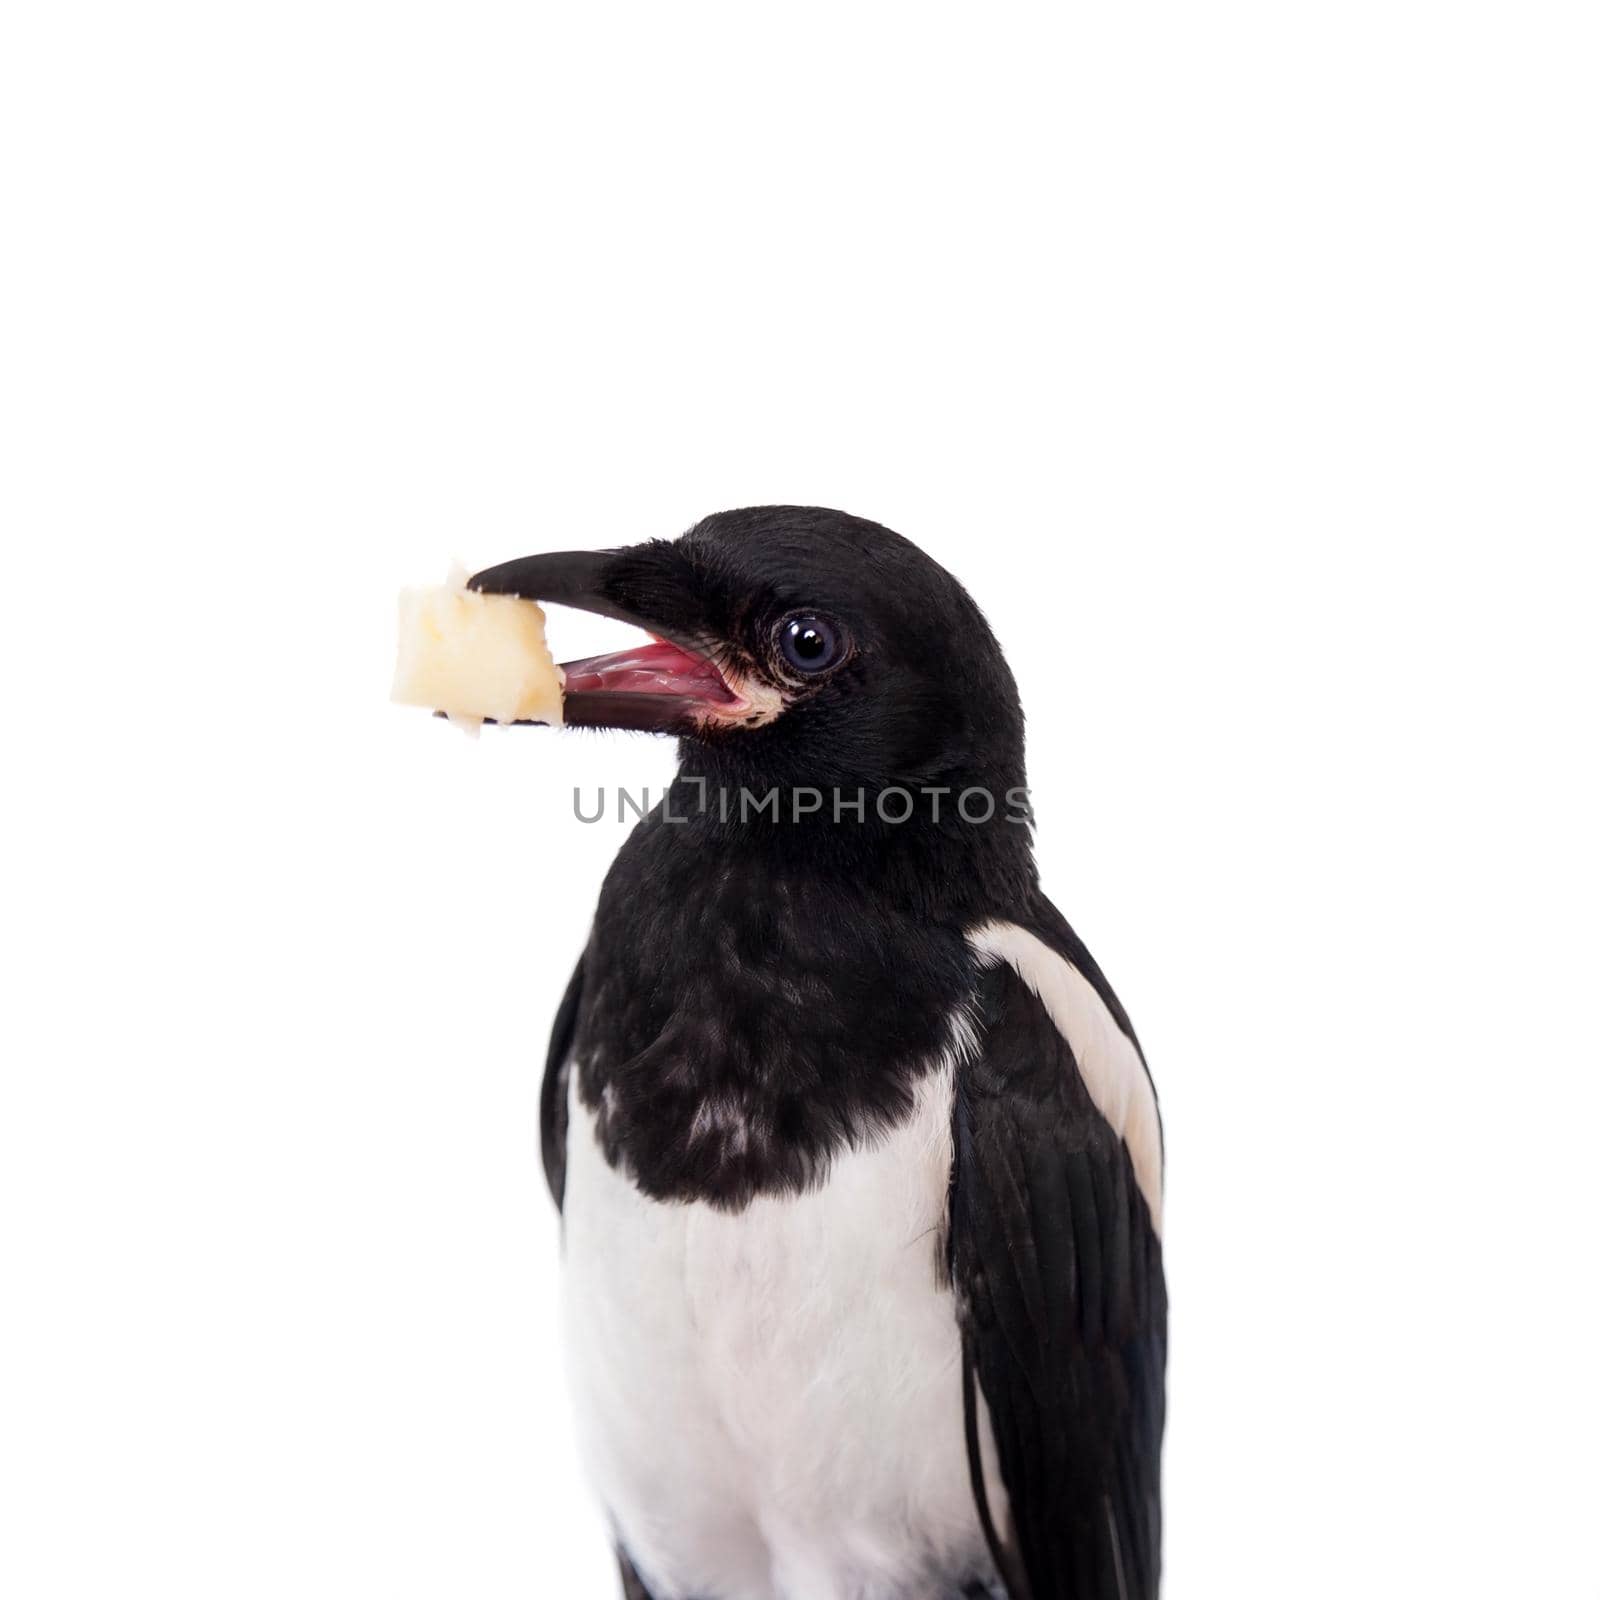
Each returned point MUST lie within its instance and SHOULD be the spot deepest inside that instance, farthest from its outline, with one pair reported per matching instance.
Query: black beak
(582, 579)
(668, 686)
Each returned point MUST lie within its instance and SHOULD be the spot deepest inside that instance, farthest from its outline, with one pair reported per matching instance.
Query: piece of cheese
(474, 656)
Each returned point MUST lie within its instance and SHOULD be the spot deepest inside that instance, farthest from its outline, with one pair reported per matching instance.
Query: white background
(1241, 359)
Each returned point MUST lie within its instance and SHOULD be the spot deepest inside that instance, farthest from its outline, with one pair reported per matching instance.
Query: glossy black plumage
(801, 977)
(1060, 1276)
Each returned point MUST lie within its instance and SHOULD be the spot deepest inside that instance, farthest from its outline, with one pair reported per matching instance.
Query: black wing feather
(553, 1091)
(1063, 1302)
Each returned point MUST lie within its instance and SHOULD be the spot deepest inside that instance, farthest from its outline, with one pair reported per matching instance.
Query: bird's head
(790, 645)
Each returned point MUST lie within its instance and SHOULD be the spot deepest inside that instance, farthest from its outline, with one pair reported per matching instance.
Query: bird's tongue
(656, 668)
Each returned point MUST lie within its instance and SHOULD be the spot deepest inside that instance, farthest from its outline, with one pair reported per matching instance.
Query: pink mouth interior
(655, 668)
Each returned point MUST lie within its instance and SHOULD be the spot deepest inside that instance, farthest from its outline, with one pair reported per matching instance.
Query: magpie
(858, 1159)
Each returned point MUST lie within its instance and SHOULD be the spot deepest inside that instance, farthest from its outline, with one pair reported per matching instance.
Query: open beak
(667, 686)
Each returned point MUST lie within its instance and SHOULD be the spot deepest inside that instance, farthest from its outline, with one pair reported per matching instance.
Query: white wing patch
(1112, 1071)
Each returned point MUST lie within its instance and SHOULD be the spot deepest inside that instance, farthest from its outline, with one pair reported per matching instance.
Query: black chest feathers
(744, 1018)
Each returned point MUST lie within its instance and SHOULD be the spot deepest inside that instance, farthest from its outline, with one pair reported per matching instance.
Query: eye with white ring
(810, 644)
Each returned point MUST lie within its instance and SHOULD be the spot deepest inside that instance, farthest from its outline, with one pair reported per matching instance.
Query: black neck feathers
(763, 991)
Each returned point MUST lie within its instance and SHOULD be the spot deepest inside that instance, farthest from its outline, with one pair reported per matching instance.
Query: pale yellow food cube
(475, 656)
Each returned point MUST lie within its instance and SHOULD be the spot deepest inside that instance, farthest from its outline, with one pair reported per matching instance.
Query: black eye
(809, 644)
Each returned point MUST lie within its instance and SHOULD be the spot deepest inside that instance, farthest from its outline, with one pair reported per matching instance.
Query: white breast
(770, 1401)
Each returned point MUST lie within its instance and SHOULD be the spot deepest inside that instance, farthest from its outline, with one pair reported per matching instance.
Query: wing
(553, 1091)
(1056, 1254)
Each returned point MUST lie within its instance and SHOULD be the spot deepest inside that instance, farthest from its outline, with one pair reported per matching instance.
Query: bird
(858, 1159)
